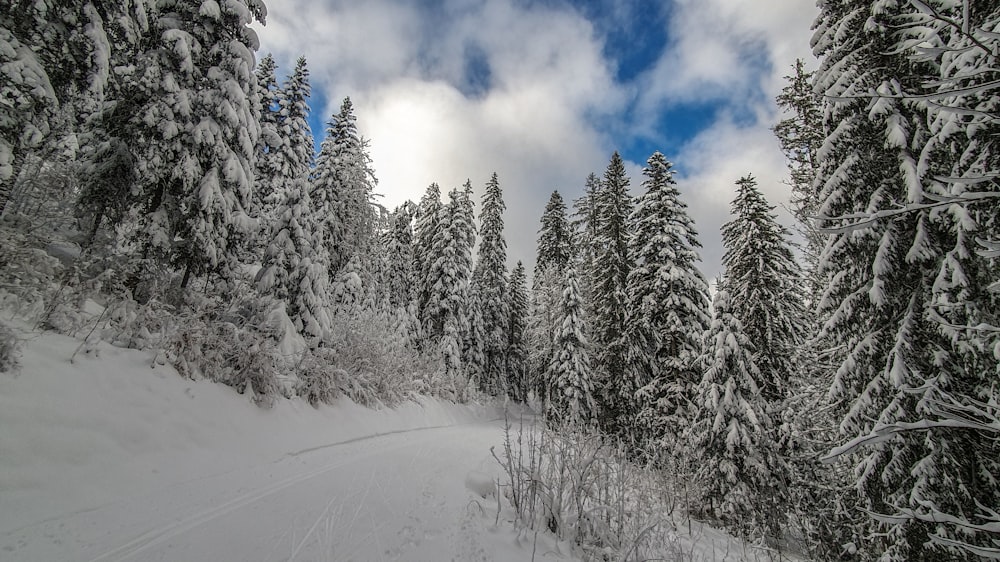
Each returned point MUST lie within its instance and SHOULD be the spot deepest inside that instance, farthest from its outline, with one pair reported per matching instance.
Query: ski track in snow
(392, 496)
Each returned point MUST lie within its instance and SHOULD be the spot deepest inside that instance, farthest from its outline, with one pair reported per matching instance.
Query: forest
(835, 393)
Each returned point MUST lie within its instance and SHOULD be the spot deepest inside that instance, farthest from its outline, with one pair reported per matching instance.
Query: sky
(542, 92)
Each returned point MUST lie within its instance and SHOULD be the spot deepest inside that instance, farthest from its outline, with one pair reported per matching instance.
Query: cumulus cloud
(458, 89)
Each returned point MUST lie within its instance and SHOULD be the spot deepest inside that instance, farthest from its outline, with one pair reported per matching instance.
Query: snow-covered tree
(518, 383)
(296, 151)
(765, 286)
(425, 230)
(555, 239)
(572, 398)
(268, 168)
(732, 434)
(910, 321)
(489, 281)
(446, 321)
(585, 239)
(611, 268)
(344, 182)
(294, 264)
(551, 259)
(667, 304)
(199, 129)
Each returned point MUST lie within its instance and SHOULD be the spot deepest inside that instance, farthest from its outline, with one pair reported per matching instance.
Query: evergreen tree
(910, 140)
(555, 246)
(270, 142)
(446, 314)
(732, 432)
(765, 286)
(611, 268)
(199, 129)
(294, 265)
(490, 285)
(344, 181)
(551, 259)
(473, 330)
(585, 238)
(517, 347)
(800, 137)
(426, 226)
(667, 304)
(573, 394)
(295, 153)
(399, 251)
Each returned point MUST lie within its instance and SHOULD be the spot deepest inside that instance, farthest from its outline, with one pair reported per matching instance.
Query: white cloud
(532, 120)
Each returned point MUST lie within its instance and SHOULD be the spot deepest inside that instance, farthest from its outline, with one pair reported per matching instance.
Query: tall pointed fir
(667, 307)
(911, 121)
(731, 434)
(344, 182)
(551, 259)
(490, 282)
(765, 285)
(425, 228)
(585, 239)
(447, 323)
(474, 329)
(611, 268)
(295, 153)
(800, 136)
(572, 398)
(294, 264)
(199, 129)
(270, 142)
(517, 343)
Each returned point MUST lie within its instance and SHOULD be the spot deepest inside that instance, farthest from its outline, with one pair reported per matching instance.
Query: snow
(105, 458)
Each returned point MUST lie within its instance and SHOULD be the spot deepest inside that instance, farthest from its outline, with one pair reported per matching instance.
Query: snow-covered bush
(10, 349)
(319, 381)
(584, 488)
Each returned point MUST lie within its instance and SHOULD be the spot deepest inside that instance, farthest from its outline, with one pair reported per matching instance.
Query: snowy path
(391, 497)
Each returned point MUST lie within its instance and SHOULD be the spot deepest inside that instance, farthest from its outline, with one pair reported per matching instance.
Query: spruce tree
(611, 268)
(198, 128)
(294, 264)
(909, 316)
(343, 181)
(517, 346)
(570, 370)
(667, 305)
(765, 285)
(732, 434)
(270, 142)
(295, 153)
(551, 259)
(425, 230)
(490, 283)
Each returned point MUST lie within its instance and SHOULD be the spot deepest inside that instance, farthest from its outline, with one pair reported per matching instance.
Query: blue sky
(542, 92)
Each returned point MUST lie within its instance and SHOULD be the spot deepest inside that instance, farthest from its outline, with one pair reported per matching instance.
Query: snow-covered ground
(105, 458)
(108, 459)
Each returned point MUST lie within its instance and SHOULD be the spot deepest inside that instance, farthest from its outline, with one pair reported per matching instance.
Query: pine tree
(551, 259)
(199, 128)
(517, 345)
(909, 123)
(765, 286)
(294, 265)
(270, 142)
(573, 395)
(473, 330)
(446, 313)
(344, 182)
(732, 434)
(667, 304)
(611, 268)
(584, 226)
(555, 246)
(295, 153)
(425, 230)
(490, 284)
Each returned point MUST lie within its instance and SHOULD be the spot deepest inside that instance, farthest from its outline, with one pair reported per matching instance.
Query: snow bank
(124, 428)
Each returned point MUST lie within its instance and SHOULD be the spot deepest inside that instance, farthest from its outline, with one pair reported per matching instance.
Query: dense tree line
(844, 396)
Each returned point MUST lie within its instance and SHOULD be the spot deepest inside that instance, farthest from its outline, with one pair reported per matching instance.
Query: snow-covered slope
(109, 459)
